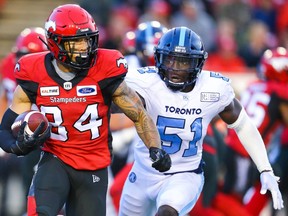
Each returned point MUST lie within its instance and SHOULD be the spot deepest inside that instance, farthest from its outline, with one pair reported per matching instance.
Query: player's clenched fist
(161, 160)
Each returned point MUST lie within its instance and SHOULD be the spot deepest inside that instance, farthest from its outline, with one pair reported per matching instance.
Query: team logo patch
(209, 96)
(86, 90)
(17, 67)
(49, 91)
(132, 177)
(181, 49)
(122, 61)
(50, 24)
(67, 85)
(95, 178)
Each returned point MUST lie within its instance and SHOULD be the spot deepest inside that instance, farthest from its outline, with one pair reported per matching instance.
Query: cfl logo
(122, 61)
(67, 85)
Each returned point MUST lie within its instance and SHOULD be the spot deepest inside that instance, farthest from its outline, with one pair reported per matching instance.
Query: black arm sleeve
(7, 140)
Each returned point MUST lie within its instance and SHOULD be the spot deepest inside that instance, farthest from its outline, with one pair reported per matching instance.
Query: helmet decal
(123, 62)
(50, 24)
(182, 37)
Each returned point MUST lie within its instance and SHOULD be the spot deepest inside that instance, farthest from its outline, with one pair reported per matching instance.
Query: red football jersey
(261, 101)
(7, 70)
(78, 110)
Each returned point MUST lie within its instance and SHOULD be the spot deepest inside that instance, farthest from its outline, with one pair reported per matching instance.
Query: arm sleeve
(7, 140)
(252, 141)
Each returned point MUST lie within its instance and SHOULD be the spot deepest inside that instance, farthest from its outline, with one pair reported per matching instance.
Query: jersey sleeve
(113, 67)
(141, 79)
(219, 84)
(227, 95)
(26, 77)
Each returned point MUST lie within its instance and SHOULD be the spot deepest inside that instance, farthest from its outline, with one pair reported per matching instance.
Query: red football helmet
(28, 41)
(129, 42)
(68, 23)
(274, 65)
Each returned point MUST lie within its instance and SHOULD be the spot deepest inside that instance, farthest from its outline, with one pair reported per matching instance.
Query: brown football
(33, 119)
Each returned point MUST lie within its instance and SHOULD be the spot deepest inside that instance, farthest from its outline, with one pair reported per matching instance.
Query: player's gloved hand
(270, 182)
(161, 160)
(26, 143)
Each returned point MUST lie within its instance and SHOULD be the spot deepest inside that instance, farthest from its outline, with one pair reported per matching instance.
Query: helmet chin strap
(181, 86)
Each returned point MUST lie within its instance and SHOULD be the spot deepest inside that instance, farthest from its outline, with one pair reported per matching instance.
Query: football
(33, 119)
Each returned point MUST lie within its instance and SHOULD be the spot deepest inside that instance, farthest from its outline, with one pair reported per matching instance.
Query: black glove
(161, 160)
(26, 143)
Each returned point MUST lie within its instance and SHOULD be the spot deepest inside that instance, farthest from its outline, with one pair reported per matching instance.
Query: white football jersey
(181, 118)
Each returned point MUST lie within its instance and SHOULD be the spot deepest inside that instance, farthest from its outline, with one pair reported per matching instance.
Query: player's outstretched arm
(130, 103)
(236, 117)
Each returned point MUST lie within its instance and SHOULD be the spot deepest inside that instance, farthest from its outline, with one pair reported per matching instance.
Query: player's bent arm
(20, 104)
(129, 102)
(251, 139)
(236, 117)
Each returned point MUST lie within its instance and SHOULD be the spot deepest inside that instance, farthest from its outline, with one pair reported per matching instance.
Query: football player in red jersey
(266, 102)
(74, 85)
(27, 42)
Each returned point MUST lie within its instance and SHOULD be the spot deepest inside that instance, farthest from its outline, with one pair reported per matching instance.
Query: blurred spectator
(192, 14)
(239, 11)
(100, 10)
(2, 5)
(225, 58)
(118, 24)
(282, 24)
(157, 10)
(265, 11)
(258, 40)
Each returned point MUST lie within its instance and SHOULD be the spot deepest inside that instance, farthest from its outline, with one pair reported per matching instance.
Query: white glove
(270, 182)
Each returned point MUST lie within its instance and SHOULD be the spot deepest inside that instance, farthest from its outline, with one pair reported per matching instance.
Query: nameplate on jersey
(49, 91)
(86, 90)
(209, 96)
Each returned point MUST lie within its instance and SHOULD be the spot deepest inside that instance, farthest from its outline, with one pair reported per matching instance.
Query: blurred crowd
(236, 33)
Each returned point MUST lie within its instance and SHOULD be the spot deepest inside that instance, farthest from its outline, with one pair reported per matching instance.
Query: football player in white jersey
(182, 100)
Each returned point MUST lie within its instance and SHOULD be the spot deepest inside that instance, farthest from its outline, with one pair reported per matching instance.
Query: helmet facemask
(179, 71)
(67, 25)
(180, 56)
(77, 57)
